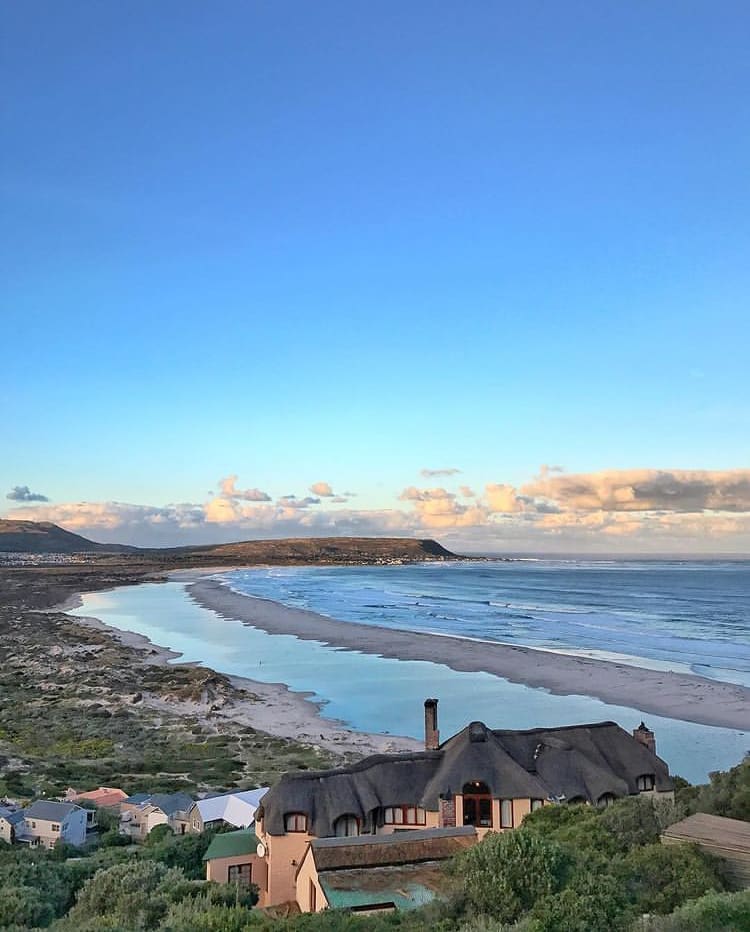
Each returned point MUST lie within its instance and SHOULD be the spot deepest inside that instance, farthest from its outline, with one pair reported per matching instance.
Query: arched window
(645, 782)
(346, 826)
(477, 804)
(606, 799)
(295, 822)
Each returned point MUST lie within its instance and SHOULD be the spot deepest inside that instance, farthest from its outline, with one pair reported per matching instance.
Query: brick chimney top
(431, 733)
(646, 737)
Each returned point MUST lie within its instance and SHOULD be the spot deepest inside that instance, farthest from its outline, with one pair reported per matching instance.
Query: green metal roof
(231, 844)
(411, 896)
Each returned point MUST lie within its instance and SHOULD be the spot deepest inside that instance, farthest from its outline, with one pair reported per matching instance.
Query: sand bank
(681, 696)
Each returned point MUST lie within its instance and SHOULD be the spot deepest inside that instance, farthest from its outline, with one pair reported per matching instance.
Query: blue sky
(345, 242)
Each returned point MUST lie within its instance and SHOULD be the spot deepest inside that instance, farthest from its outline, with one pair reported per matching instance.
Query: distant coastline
(686, 697)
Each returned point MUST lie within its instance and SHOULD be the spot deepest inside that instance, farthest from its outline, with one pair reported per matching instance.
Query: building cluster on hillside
(72, 820)
(375, 834)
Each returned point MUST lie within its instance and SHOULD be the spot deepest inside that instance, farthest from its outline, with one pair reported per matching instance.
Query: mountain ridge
(40, 537)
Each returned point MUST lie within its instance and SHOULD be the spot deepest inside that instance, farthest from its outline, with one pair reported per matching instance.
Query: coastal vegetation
(566, 869)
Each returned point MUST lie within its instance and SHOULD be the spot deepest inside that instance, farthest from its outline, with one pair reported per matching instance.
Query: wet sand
(680, 696)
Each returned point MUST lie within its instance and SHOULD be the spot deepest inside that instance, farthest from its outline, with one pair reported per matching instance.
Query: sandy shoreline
(681, 696)
(269, 707)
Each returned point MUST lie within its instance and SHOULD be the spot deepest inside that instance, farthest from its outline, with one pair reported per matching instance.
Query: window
(404, 815)
(295, 822)
(313, 897)
(606, 799)
(241, 874)
(55, 828)
(506, 813)
(536, 804)
(477, 804)
(346, 826)
(646, 782)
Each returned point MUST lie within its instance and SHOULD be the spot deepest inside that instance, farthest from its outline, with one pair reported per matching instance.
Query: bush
(659, 878)
(136, 893)
(715, 912)
(505, 874)
(594, 904)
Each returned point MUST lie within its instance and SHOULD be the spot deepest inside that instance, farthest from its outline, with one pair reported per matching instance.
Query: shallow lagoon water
(377, 694)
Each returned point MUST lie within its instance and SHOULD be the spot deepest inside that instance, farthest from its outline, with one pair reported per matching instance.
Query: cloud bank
(635, 510)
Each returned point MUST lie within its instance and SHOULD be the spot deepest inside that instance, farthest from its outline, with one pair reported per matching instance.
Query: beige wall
(217, 869)
(307, 877)
(6, 831)
(284, 854)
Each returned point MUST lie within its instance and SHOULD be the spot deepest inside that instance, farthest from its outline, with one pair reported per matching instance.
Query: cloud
(291, 501)
(322, 489)
(625, 510)
(22, 493)
(228, 490)
(431, 473)
(467, 492)
(413, 494)
(681, 490)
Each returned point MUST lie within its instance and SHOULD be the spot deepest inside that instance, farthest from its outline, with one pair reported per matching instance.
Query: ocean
(687, 616)
(650, 614)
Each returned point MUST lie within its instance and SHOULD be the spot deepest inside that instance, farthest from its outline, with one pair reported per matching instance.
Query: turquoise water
(372, 693)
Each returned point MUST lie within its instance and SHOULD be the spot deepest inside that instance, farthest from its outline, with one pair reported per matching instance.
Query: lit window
(646, 782)
(295, 822)
(506, 813)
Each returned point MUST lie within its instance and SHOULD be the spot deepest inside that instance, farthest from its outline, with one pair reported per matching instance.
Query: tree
(505, 874)
(594, 904)
(714, 912)
(659, 878)
(137, 892)
(24, 906)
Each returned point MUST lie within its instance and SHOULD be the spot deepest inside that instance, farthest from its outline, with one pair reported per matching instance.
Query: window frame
(348, 816)
(503, 823)
(476, 799)
(649, 778)
(420, 815)
(295, 816)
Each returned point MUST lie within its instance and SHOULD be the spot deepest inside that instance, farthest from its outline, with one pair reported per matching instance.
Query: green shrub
(505, 874)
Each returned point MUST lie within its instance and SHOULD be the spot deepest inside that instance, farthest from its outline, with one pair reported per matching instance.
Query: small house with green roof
(232, 857)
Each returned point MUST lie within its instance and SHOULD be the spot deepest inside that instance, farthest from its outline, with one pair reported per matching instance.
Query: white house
(235, 809)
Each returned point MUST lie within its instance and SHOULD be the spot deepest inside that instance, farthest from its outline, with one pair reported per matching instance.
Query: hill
(45, 537)
(39, 537)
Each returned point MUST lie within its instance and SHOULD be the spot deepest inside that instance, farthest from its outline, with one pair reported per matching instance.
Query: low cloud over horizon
(22, 493)
(637, 510)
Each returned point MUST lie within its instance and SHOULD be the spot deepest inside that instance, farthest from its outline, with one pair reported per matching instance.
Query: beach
(269, 707)
(670, 694)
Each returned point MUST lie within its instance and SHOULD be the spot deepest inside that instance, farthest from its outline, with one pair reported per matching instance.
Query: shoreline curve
(682, 696)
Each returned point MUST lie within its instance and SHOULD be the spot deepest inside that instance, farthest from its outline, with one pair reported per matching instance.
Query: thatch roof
(432, 844)
(581, 761)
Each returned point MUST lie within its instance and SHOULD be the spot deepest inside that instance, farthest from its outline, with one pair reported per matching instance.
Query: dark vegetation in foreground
(567, 869)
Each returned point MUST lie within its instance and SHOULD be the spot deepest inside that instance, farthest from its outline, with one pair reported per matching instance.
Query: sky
(479, 271)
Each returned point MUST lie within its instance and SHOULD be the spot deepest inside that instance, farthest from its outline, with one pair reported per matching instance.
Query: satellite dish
(261, 850)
